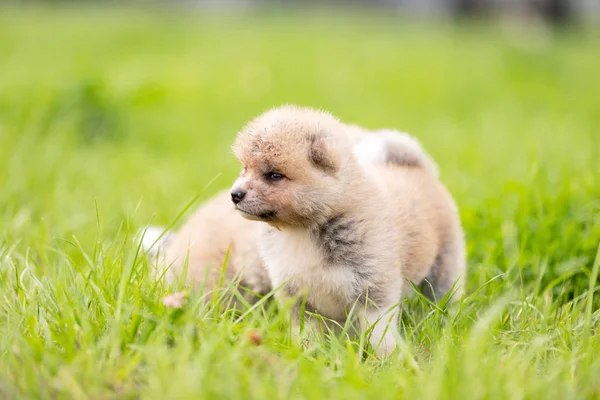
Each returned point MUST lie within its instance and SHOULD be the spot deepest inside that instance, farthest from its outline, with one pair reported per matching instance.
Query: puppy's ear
(322, 156)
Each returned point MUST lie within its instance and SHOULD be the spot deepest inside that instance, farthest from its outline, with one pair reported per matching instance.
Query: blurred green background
(129, 113)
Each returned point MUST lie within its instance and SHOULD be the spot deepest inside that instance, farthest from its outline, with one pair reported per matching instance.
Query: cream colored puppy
(201, 244)
(346, 224)
(200, 248)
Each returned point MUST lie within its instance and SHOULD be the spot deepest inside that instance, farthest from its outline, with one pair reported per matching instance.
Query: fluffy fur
(347, 225)
(200, 247)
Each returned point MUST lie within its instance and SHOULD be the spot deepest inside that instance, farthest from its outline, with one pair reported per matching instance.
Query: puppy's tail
(153, 239)
(388, 146)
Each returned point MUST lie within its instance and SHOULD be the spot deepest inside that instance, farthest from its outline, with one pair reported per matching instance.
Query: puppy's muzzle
(237, 195)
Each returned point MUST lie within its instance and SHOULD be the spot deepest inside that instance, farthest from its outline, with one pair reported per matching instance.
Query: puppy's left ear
(322, 156)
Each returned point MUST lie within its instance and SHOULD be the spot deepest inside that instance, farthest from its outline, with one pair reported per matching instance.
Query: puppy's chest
(325, 263)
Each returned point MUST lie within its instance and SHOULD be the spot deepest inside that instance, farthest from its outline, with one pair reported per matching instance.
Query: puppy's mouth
(261, 216)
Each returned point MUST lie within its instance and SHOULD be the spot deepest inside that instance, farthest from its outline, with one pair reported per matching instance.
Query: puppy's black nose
(237, 195)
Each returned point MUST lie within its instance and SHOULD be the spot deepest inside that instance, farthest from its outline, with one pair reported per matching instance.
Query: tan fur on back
(423, 215)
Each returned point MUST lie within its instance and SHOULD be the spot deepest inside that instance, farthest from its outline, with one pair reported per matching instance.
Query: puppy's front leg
(383, 321)
(300, 317)
(301, 320)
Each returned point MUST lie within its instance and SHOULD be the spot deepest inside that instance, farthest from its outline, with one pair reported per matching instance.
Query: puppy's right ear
(322, 156)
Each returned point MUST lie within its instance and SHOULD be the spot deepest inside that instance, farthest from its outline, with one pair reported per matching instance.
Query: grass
(112, 119)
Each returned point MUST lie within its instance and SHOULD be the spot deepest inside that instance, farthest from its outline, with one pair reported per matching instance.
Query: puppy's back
(431, 234)
(388, 146)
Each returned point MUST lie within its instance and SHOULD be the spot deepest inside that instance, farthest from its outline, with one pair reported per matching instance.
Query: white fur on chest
(294, 257)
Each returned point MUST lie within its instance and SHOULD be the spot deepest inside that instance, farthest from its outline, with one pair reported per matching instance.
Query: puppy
(347, 224)
(201, 246)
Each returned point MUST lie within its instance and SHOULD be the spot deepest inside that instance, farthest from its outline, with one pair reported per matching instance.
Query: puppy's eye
(274, 176)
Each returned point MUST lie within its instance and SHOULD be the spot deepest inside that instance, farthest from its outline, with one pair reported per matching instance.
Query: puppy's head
(290, 166)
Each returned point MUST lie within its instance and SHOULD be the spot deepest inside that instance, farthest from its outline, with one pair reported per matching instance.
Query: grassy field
(110, 120)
